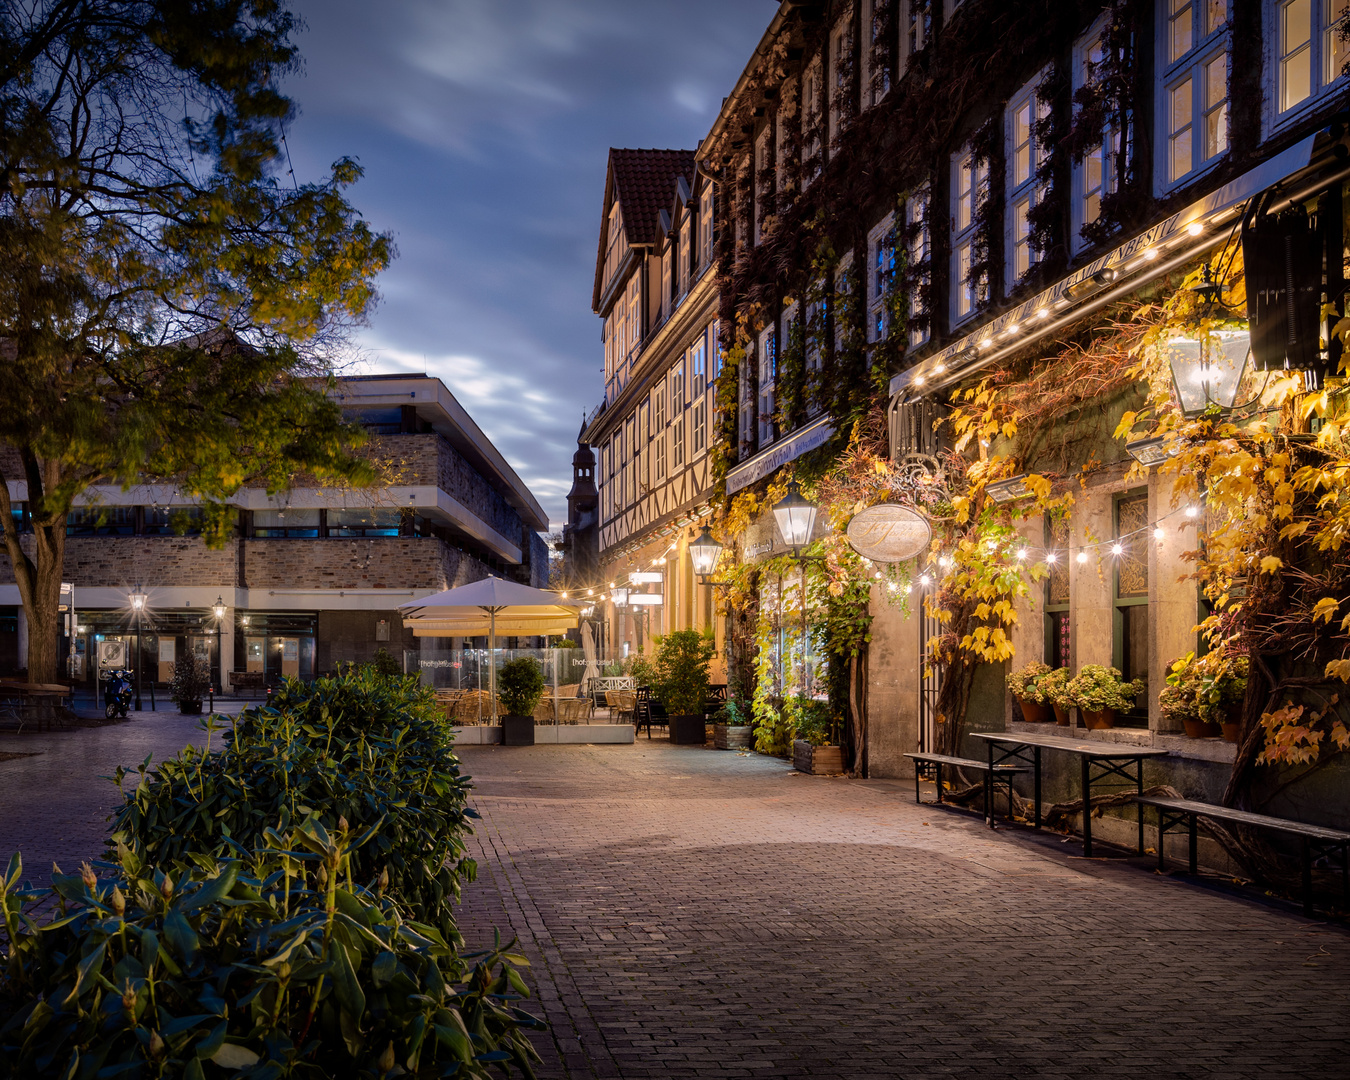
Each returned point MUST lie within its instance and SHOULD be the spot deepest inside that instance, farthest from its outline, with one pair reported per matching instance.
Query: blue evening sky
(483, 127)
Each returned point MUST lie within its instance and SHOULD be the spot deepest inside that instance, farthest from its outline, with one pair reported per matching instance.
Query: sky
(484, 128)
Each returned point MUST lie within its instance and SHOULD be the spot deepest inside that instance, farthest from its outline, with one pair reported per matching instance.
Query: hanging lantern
(796, 517)
(1282, 259)
(705, 551)
(1207, 371)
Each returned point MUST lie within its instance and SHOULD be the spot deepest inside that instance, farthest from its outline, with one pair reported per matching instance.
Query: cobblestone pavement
(695, 913)
(54, 805)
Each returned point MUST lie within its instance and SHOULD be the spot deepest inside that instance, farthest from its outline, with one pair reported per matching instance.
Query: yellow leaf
(1338, 669)
(1271, 564)
(1325, 608)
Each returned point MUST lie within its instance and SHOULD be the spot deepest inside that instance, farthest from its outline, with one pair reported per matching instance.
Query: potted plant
(191, 680)
(732, 727)
(1023, 684)
(1053, 688)
(1180, 699)
(520, 685)
(1222, 689)
(679, 677)
(1101, 695)
(814, 746)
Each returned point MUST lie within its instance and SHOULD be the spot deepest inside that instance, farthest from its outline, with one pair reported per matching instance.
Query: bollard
(211, 694)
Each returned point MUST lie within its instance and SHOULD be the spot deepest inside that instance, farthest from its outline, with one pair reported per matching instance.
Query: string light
(1159, 533)
(1082, 556)
(1117, 549)
(1192, 511)
(1051, 558)
(1021, 554)
(925, 580)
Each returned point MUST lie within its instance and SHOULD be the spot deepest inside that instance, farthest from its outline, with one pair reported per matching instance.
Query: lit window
(768, 376)
(916, 28)
(705, 228)
(659, 430)
(1024, 161)
(880, 276)
(970, 186)
(916, 218)
(1309, 51)
(1193, 98)
(1094, 175)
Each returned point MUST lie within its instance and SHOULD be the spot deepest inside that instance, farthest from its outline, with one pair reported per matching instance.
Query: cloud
(484, 127)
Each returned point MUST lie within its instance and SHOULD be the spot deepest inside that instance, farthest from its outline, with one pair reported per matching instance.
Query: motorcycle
(117, 693)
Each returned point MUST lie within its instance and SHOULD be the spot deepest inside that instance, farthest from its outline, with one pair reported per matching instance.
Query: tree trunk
(38, 575)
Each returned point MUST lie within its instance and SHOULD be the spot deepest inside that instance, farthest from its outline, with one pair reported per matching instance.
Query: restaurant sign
(889, 533)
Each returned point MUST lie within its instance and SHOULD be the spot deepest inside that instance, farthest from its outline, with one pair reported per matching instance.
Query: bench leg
(916, 783)
(988, 798)
(1139, 783)
(1010, 798)
(1307, 877)
(1086, 782)
(1162, 841)
(1191, 829)
(1036, 752)
(1345, 876)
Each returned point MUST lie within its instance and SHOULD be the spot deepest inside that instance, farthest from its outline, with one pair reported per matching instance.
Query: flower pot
(1231, 732)
(1034, 713)
(817, 760)
(732, 736)
(518, 730)
(1200, 729)
(687, 730)
(1096, 721)
(1061, 716)
(190, 708)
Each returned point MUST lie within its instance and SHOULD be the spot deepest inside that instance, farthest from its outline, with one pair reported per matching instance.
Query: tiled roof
(644, 184)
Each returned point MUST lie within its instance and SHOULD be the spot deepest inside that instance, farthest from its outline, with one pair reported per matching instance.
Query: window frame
(918, 207)
(1170, 74)
(1082, 57)
(963, 238)
(1027, 190)
(881, 266)
(1119, 603)
(813, 85)
(767, 392)
(1321, 83)
(840, 47)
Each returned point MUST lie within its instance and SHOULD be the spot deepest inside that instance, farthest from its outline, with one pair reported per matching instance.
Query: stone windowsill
(1176, 743)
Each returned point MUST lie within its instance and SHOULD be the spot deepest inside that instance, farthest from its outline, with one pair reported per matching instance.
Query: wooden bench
(990, 772)
(24, 701)
(1316, 839)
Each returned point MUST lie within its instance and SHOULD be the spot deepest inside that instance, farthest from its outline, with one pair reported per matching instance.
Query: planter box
(687, 730)
(548, 734)
(478, 735)
(817, 760)
(732, 736)
(518, 730)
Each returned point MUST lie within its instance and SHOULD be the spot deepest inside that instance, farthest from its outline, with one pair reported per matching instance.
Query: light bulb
(1150, 254)
(925, 580)
(909, 589)
(939, 369)
(1082, 556)
(564, 596)
(986, 342)
(1051, 558)
(877, 575)
(1158, 533)
(1192, 511)
(1013, 328)
(1195, 228)
(1043, 313)
(918, 380)
(893, 586)
(1116, 549)
(1021, 554)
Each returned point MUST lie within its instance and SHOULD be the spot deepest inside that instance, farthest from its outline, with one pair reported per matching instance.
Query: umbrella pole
(492, 660)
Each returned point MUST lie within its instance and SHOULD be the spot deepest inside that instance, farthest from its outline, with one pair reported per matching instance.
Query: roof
(643, 183)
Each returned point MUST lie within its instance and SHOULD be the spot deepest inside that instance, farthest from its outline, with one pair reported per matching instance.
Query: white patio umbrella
(588, 650)
(490, 607)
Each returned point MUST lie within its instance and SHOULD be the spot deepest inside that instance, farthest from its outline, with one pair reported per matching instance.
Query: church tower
(581, 534)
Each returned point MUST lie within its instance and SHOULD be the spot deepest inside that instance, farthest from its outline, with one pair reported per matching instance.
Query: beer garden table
(1108, 759)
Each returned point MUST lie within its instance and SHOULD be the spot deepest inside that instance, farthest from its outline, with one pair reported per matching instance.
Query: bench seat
(991, 774)
(1318, 839)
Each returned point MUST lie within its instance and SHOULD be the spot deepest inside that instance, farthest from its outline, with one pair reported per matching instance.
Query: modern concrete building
(312, 577)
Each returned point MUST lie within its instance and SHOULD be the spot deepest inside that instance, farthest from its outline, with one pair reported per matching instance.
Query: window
(644, 447)
(677, 452)
(768, 375)
(705, 228)
(677, 400)
(1095, 175)
(813, 326)
(715, 347)
(1309, 52)
(616, 247)
(101, 521)
(1058, 623)
(700, 422)
(970, 188)
(287, 523)
(880, 276)
(367, 522)
(172, 521)
(1130, 652)
(785, 114)
(812, 89)
(23, 520)
(659, 430)
(667, 278)
(746, 400)
(762, 190)
(633, 330)
(920, 277)
(842, 287)
(698, 369)
(686, 250)
(841, 74)
(1024, 160)
(1193, 96)
(625, 436)
(876, 75)
(916, 28)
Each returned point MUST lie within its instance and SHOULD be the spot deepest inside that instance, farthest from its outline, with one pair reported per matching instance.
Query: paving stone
(695, 913)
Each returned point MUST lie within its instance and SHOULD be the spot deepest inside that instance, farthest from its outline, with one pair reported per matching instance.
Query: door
(168, 654)
(290, 657)
(253, 654)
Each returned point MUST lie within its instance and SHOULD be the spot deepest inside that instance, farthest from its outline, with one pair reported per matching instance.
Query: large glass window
(970, 186)
(880, 277)
(1131, 606)
(1024, 162)
(812, 91)
(916, 221)
(1309, 51)
(101, 521)
(1095, 174)
(172, 520)
(1193, 94)
(364, 522)
(287, 523)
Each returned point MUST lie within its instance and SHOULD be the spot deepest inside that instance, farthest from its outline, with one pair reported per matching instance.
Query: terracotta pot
(1231, 732)
(1200, 729)
(1033, 713)
(1061, 716)
(1096, 721)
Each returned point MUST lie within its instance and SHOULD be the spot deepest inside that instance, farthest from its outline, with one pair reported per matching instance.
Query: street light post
(796, 518)
(138, 599)
(219, 612)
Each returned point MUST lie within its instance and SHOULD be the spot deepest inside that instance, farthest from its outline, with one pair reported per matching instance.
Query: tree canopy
(171, 302)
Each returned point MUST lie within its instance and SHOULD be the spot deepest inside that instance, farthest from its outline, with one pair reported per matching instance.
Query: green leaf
(234, 1056)
(179, 933)
(346, 987)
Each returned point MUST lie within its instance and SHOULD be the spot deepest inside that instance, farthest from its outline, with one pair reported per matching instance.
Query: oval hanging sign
(889, 533)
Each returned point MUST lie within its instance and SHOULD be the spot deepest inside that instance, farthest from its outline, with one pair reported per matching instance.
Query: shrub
(680, 671)
(1053, 688)
(276, 964)
(385, 664)
(374, 750)
(191, 679)
(814, 721)
(1024, 683)
(1208, 688)
(520, 685)
(735, 713)
(1179, 699)
(1096, 688)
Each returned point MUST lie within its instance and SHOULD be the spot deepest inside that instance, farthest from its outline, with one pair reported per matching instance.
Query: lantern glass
(796, 517)
(619, 596)
(219, 609)
(705, 551)
(1152, 451)
(1208, 371)
(138, 600)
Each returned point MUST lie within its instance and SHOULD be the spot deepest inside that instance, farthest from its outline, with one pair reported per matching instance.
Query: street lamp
(138, 601)
(1152, 451)
(704, 551)
(796, 517)
(1009, 490)
(1208, 370)
(218, 610)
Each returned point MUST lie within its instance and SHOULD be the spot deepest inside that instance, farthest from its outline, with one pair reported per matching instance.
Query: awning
(1172, 242)
(775, 457)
